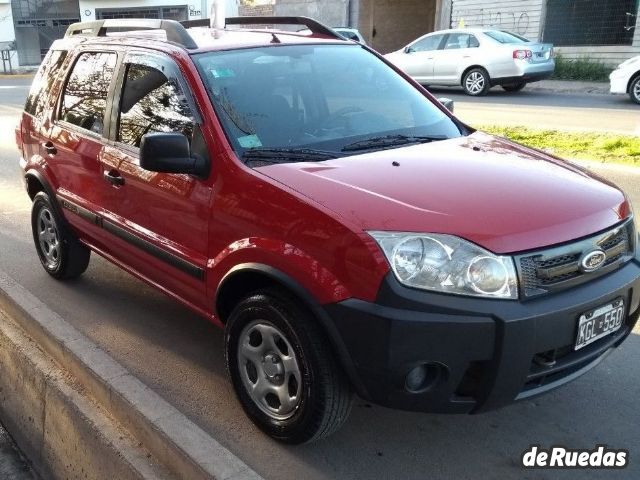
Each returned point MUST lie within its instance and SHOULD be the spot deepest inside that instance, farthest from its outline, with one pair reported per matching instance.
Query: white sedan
(476, 59)
(626, 78)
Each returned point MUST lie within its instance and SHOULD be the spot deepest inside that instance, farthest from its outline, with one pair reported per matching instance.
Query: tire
(61, 254)
(314, 396)
(514, 87)
(634, 90)
(476, 82)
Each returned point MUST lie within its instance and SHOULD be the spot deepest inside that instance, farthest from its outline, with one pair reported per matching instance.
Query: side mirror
(447, 102)
(170, 153)
(408, 50)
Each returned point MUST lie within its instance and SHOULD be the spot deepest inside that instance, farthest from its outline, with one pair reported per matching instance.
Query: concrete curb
(171, 438)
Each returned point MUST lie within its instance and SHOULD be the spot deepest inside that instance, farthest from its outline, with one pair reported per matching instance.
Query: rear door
(458, 50)
(158, 221)
(77, 140)
(36, 119)
(419, 58)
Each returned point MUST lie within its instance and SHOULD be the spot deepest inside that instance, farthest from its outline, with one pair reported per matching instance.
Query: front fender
(303, 269)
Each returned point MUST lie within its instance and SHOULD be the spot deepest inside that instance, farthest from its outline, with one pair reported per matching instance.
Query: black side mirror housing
(171, 153)
(408, 50)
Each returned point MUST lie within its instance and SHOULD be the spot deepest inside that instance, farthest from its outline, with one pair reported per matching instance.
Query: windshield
(320, 97)
(505, 37)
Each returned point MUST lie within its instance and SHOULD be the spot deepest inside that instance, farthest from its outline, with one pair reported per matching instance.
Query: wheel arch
(245, 278)
(469, 68)
(36, 183)
(633, 78)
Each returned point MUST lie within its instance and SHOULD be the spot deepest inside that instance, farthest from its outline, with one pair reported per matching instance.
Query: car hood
(500, 195)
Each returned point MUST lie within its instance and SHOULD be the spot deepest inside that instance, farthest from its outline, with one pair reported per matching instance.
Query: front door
(419, 58)
(159, 221)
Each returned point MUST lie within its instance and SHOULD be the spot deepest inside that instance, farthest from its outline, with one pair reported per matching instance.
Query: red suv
(346, 230)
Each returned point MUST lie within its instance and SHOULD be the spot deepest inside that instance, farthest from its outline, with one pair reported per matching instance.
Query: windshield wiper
(283, 155)
(391, 141)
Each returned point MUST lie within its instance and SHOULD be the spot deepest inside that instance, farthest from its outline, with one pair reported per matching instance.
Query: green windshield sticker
(250, 141)
(222, 73)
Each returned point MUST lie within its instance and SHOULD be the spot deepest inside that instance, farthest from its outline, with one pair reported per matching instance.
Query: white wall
(523, 17)
(88, 7)
(7, 33)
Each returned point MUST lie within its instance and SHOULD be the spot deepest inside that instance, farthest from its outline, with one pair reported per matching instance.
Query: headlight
(449, 264)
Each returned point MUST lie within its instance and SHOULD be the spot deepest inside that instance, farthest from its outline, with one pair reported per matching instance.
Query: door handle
(113, 177)
(49, 148)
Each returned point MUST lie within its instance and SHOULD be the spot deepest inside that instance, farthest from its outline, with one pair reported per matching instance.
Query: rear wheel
(634, 90)
(476, 82)
(60, 252)
(514, 87)
(283, 370)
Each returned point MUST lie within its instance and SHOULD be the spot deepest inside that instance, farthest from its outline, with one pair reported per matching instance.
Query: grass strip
(601, 147)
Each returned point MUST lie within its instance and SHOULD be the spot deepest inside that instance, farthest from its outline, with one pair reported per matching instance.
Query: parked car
(342, 226)
(476, 59)
(626, 79)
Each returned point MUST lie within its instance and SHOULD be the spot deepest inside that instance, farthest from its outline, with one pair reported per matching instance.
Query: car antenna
(275, 38)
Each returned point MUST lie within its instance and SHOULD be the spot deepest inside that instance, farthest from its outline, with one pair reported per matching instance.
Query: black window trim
(107, 120)
(173, 71)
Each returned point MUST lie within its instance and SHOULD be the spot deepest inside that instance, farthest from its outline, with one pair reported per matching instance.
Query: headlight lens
(449, 264)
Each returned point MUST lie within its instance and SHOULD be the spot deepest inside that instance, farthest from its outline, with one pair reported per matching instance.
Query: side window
(85, 94)
(151, 102)
(460, 40)
(43, 82)
(427, 44)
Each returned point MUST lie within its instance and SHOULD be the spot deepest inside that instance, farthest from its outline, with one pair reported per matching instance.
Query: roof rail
(311, 24)
(176, 32)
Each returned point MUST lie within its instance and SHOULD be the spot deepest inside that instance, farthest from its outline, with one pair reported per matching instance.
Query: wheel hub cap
(269, 369)
(48, 238)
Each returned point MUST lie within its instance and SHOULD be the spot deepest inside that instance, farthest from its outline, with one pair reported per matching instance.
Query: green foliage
(584, 69)
(602, 147)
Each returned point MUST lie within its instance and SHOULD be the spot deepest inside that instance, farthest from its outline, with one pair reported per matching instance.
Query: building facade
(35, 24)
(605, 30)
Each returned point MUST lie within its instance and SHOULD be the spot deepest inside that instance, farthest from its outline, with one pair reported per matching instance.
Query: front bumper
(482, 353)
(619, 81)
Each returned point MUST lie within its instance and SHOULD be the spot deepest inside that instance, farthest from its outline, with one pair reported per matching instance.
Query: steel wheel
(48, 238)
(269, 369)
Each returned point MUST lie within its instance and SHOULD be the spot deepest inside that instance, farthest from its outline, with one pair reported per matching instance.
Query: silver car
(476, 59)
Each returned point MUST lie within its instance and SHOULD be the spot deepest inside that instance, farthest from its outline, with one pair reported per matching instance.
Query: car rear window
(43, 82)
(505, 37)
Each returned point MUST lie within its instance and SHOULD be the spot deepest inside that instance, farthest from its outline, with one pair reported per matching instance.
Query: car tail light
(522, 54)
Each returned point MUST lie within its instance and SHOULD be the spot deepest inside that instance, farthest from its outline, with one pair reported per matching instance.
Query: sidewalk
(570, 86)
(12, 465)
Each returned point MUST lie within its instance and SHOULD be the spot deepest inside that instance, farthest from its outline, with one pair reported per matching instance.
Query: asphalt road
(179, 355)
(540, 109)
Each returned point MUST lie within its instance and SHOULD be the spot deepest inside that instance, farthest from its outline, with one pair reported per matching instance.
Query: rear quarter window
(38, 98)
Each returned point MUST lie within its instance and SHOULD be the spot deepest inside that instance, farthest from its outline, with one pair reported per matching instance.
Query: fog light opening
(422, 377)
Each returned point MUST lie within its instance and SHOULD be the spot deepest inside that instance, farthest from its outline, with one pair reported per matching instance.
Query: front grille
(558, 268)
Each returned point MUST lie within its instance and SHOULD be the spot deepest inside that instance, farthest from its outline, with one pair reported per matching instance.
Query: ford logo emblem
(593, 261)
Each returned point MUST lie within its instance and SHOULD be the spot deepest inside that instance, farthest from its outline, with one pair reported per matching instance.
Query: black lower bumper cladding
(475, 354)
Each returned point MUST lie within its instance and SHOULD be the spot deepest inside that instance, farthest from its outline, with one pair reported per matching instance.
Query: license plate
(600, 322)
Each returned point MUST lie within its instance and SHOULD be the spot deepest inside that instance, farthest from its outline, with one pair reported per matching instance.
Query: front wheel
(283, 370)
(634, 90)
(514, 87)
(476, 82)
